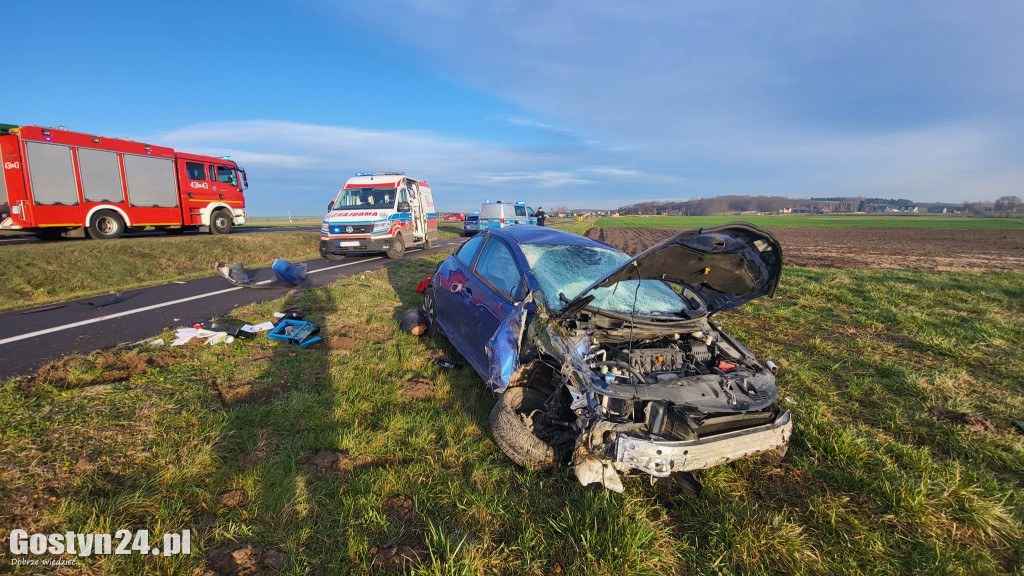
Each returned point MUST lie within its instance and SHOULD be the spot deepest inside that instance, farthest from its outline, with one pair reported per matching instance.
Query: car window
(520, 210)
(226, 175)
(529, 211)
(498, 266)
(470, 249)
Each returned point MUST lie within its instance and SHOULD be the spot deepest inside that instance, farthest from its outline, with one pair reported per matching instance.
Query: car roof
(544, 235)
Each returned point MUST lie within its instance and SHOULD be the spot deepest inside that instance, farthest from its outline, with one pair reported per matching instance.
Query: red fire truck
(55, 181)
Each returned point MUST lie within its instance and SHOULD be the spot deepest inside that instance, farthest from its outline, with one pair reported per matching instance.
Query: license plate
(348, 244)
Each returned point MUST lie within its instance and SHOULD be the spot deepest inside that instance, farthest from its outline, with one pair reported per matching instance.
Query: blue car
(613, 362)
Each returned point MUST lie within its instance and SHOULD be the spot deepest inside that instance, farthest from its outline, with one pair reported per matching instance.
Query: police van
(498, 215)
(379, 212)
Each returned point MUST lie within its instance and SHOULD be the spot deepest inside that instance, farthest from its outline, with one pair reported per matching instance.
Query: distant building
(937, 209)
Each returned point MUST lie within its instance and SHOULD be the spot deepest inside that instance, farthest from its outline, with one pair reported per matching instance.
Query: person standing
(541, 216)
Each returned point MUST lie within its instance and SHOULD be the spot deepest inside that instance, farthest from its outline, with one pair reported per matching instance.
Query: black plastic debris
(109, 300)
(1019, 425)
(43, 309)
(414, 322)
(441, 363)
(235, 273)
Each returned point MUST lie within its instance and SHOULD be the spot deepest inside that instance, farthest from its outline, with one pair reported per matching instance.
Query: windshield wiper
(574, 306)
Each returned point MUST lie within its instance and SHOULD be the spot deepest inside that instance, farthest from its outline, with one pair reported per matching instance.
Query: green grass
(815, 220)
(873, 483)
(42, 273)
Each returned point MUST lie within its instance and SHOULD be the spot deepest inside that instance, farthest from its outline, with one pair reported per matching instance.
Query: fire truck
(57, 182)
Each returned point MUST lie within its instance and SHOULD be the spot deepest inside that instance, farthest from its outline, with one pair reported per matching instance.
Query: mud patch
(264, 448)
(339, 464)
(232, 395)
(242, 559)
(231, 498)
(870, 248)
(436, 354)
(971, 421)
(99, 367)
(394, 557)
(345, 343)
(418, 389)
(400, 509)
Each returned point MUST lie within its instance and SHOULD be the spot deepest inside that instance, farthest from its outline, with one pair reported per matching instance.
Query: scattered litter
(235, 273)
(414, 322)
(185, 335)
(446, 364)
(231, 330)
(790, 400)
(293, 274)
(178, 282)
(43, 309)
(157, 342)
(299, 332)
(177, 319)
(116, 298)
(256, 329)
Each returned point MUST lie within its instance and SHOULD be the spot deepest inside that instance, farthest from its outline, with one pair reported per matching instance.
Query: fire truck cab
(379, 212)
(55, 181)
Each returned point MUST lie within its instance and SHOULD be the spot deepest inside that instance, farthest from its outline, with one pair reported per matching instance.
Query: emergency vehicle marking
(12, 165)
(198, 185)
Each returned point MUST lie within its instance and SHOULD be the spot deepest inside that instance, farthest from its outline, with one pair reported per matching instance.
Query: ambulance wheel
(106, 225)
(220, 222)
(427, 244)
(397, 248)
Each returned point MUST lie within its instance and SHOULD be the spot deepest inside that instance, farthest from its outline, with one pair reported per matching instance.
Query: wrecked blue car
(611, 363)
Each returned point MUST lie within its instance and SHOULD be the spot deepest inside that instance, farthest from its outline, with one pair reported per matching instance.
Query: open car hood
(725, 265)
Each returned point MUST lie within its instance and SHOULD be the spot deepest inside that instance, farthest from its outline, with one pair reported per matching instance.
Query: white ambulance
(378, 212)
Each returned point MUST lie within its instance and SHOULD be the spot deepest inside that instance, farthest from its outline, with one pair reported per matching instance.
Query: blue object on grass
(298, 332)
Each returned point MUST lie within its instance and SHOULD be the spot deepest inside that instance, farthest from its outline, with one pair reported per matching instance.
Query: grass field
(320, 455)
(37, 274)
(851, 221)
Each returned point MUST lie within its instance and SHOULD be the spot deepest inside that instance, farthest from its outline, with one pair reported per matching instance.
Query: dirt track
(883, 248)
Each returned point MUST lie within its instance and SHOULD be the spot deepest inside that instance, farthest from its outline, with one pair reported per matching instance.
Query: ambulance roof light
(521, 203)
(360, 174)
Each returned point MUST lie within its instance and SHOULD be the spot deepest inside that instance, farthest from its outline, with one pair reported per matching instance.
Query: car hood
(726, 265)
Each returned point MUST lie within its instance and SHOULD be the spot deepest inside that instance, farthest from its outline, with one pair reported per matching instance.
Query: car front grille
(355, 228)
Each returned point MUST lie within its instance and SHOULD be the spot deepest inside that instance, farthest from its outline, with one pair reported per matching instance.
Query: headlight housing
(381, 225)
(324, 229)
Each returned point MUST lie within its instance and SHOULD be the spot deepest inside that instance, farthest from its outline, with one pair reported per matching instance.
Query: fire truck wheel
(220, 222)
(106, 225)
(397, 248)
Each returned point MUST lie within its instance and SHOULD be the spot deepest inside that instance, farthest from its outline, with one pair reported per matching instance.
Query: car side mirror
(404, 207)
(520, 292)
(330, 205)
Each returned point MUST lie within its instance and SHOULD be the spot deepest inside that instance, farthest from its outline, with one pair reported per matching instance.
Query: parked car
(456, 217)
(614, 362)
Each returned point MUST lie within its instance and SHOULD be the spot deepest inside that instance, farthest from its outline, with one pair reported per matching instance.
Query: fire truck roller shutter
(101, 176)
(150, 181)
(52, 174)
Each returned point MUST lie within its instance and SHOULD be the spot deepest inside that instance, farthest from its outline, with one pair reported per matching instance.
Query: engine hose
(616, 364)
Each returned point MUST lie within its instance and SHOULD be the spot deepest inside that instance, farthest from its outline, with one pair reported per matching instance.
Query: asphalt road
(32, 337)
(29, 239)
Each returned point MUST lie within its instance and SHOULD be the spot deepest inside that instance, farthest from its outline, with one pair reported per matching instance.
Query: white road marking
(44, 331)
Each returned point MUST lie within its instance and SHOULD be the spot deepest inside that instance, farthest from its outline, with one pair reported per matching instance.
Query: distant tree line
(1004, 206)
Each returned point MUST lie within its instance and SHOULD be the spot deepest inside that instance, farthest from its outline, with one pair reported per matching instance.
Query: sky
(584, 103)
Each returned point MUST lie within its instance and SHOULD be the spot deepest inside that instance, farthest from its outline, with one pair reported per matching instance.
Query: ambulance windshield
(378, 198)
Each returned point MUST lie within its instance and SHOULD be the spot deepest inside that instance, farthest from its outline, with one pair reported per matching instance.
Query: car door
(489, 292)
(453, 309)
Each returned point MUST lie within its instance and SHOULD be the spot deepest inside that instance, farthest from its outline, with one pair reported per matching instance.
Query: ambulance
(379, 212)
(498, 215)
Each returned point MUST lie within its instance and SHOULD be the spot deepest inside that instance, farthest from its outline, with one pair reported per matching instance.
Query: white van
(499, 215)
(379, 212)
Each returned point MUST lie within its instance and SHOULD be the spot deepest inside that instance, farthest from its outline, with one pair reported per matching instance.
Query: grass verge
(345, 457)
(814, 220)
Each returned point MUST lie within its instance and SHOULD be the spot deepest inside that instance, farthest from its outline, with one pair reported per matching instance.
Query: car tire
(427, 244)
(220, 222)
(511, 434)
(397, 248)
(429, 308)
(106, 225)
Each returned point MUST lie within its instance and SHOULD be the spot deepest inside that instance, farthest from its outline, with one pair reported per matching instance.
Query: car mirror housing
(330, 205)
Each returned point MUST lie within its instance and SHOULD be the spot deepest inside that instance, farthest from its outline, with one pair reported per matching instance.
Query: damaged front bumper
(663, 457)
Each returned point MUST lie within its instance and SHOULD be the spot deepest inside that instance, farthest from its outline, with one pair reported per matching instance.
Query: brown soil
(394, 557)
(99, 368)
(238, 394)
(339, 464)
(400, 508)
(973, 422)
(879, 248)
(241, 559)
(231, 498)
(418, 389)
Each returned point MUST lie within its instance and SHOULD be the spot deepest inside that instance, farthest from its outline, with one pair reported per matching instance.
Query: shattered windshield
(571, 269)
(378, 198)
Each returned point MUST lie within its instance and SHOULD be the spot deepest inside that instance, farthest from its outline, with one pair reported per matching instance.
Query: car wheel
(106, 225)
(514, 431)
(397, 248)
(430, 311)
(427, 244)
(220, 222)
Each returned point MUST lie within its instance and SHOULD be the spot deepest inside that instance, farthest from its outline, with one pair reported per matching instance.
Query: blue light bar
(380, 173)
(521, 203)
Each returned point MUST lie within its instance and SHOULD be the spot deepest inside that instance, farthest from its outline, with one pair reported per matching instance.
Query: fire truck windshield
(363, 198)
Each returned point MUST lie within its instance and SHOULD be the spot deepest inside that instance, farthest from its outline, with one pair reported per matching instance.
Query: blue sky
(582, 103)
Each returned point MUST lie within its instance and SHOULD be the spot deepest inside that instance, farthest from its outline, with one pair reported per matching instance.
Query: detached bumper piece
(661, 458)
